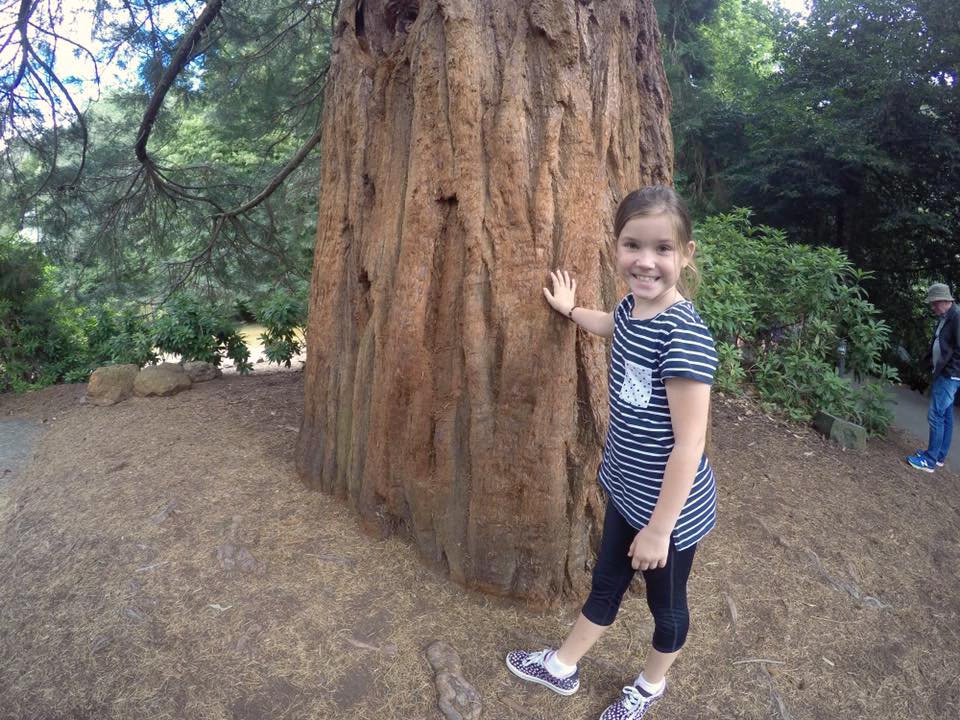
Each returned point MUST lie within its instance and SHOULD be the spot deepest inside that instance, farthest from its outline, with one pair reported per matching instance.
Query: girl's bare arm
(689, 402)
(562, 300)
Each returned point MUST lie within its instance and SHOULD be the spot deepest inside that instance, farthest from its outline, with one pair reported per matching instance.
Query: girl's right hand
(564, 290)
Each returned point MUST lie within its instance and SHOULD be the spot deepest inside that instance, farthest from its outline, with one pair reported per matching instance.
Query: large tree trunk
(469, 146)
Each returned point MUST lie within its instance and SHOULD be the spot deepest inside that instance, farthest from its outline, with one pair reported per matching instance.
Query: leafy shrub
(120, 334)
(779, 311)
(198, 330)
(41, 334)
(281, 315)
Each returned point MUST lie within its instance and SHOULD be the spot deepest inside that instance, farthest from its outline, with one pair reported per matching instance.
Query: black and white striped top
(675, 343)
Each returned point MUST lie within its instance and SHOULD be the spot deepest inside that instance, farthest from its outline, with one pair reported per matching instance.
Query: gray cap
(938, 292)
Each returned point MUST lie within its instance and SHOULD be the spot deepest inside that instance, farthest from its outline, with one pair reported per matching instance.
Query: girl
(662, 497)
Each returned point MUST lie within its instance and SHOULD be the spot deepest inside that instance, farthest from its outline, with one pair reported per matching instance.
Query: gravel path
(17, 438)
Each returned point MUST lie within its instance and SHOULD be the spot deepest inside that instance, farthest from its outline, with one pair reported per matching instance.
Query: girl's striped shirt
(675, 343)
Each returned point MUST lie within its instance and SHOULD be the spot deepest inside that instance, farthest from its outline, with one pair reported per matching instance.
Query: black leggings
(666, 586)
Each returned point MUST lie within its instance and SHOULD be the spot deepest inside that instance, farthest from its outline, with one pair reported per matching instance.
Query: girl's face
(650, 261)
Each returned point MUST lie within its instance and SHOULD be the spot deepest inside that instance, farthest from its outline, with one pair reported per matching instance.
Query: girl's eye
(665, 249)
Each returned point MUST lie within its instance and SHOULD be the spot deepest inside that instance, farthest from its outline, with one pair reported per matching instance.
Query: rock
(202, 371)
(110, 384)
(456, 698)
(847, 434)
(164, 379)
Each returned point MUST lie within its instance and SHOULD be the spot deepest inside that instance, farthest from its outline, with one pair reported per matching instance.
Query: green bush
(779, 311)
(197, 330)
(41, 334)
(282, 315)
(119, 334)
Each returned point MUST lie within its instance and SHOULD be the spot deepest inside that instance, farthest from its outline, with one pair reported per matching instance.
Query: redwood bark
(469, 146)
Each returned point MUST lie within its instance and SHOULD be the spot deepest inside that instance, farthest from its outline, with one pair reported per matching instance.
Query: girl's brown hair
(655, 200)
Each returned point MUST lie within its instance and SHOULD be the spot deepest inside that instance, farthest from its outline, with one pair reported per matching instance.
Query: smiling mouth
(645, 278)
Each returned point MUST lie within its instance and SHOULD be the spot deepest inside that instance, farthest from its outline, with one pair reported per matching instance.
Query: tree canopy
(190, 172)
(841, 127)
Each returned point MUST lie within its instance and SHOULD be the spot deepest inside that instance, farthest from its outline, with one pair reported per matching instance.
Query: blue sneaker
(532, 666)
(921, 452)
(920, 462)
(632, 705)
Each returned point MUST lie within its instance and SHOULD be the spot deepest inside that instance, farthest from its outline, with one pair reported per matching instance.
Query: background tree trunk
(469, 146)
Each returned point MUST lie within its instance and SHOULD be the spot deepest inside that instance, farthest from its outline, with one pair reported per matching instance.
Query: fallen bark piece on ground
(845, 585)
(338, 559)
(732, 608)
(775, 696)
(388, 649)
(456, 698)
(837, 584)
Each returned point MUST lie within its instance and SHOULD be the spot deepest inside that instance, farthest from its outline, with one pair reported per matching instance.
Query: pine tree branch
(181, 58)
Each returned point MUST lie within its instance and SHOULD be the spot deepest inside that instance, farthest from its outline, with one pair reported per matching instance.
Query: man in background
(944, 359)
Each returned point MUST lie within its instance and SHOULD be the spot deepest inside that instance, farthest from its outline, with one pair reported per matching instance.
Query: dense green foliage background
(841, 129)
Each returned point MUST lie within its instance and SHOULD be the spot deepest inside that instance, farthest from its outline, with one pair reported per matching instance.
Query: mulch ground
(160, 559)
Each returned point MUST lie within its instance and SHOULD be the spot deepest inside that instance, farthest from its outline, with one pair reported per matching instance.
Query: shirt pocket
(637, 384)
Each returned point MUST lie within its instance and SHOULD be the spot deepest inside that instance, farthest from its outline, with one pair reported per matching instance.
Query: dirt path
(161, 560)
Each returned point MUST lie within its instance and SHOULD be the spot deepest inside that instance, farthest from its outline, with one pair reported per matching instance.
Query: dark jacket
(949, 345)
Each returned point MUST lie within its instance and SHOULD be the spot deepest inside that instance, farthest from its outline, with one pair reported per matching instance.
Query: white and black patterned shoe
(532, 666)
(632, 705)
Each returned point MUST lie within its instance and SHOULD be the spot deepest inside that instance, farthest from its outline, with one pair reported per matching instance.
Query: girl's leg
(656, 665)
(611, 578)
(667, 600)
(580, 640)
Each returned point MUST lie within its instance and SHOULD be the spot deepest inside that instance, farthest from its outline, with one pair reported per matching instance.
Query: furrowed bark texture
(469, 146)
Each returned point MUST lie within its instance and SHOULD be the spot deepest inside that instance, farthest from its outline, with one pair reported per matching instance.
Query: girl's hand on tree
(649, 550)
(564, 290)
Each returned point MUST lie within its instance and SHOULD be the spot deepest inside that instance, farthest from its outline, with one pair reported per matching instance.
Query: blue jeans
(940, 417)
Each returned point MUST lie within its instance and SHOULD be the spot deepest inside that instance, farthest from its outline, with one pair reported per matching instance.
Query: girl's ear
(687, 256)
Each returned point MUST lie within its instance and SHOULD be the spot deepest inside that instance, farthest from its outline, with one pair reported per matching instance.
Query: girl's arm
(689, 402)
(562, 300)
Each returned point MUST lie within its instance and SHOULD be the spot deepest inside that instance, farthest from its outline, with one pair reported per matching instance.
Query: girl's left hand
(649, 550)
(564, 292)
